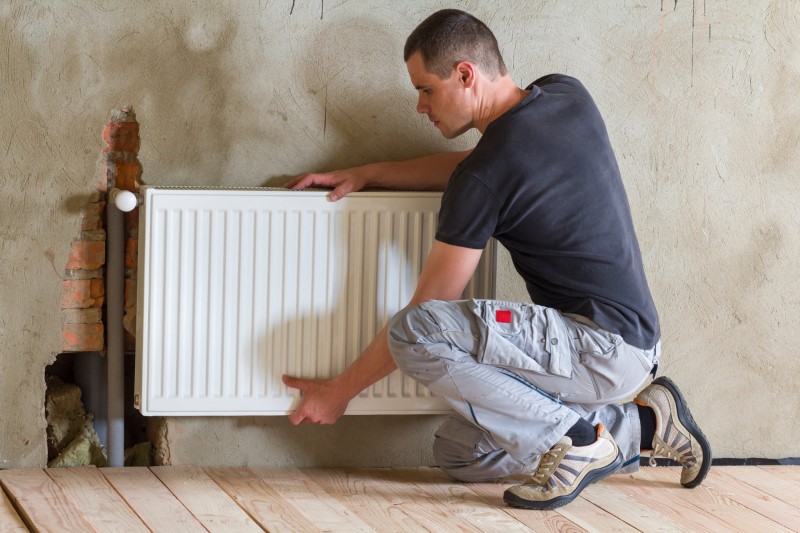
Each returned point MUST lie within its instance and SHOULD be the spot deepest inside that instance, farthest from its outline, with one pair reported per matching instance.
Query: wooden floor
(174, 499)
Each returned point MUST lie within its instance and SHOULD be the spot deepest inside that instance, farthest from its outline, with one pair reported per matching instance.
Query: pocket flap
(557, 343)
(524, 336)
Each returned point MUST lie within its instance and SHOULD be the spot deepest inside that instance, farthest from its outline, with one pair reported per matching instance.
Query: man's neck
(497, 97)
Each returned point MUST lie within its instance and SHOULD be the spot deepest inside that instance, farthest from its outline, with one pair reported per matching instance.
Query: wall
(699, 105)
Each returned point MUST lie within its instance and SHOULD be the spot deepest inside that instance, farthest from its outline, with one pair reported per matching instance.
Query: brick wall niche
(83, 292)
(71, 430)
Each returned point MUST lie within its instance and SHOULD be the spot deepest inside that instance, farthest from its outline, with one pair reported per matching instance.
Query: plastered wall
(700, 103)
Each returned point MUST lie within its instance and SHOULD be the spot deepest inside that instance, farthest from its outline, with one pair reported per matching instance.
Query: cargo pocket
(598, 351)
(594, 341)
(524, 336)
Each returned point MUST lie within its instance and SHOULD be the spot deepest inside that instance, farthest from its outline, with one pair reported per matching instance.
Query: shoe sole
(685, 417)
(592, 477)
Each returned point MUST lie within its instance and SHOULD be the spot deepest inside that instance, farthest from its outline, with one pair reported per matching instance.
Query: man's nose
(422, 107)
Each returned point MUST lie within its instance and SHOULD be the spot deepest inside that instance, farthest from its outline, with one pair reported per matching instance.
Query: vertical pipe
(115, 306)
(89, 374)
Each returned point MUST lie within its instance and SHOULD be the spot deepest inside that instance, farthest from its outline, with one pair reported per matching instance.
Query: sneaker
(677, 436)
(565, 471)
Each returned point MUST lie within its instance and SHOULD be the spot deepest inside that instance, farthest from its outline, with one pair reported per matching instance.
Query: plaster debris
(157, 432)
(76, 453)
(139, 454)
(71, 438)
(65, 414)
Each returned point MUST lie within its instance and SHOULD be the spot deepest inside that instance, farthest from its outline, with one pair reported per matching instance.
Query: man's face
(444, 101)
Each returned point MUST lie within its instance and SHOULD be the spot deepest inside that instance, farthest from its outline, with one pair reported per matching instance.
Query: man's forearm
(374, 364)
(428, 173)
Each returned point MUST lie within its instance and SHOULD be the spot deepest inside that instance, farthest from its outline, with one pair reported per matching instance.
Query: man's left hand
(322, 401)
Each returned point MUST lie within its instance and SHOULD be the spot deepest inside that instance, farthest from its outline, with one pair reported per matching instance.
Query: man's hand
(322, 402)
(444, 276)
(343, 182)
(427, 173)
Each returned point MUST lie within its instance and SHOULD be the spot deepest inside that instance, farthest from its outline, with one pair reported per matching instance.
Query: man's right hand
(343, 182)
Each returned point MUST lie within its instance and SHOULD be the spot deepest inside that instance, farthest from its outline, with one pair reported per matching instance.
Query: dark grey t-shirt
(544, 181)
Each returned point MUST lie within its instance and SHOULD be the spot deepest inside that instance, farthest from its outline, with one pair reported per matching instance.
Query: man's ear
(466, 74)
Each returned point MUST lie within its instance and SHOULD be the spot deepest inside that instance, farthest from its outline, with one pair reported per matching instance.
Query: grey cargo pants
(518, 377)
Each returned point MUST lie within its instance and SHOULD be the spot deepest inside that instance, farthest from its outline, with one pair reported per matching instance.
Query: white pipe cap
(124, 200)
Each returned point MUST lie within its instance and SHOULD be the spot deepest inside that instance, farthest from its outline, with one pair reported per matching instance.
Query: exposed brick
(129, 323)
(82, 293)
(86, 255)
(129, 318)
(83, 274)
(93, 235)
(131, 253)
(130, 294)
(132, 230)
(82, 316)
(82, 338)
(93, 216)
(105, 173)
(127, 176)
(132, 221)
(76, 294)
(121, 137)
(97, 288)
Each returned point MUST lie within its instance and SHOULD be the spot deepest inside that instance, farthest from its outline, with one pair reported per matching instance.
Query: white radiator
(240, 286)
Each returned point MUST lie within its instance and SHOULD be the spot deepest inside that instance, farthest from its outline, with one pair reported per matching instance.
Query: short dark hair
(450, 36)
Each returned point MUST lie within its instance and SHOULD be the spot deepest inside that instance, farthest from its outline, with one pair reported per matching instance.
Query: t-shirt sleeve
(469, 212)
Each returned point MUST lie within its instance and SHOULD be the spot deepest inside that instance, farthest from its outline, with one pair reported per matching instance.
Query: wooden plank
(10, 521)
(789, 472)
(720, 480)
(205, 499)
(630, 500)
(372, 502)
(578, 515)
(41, 502)
(98, 501)
(311, 500)
(767, 482)
(455, 500)
(658, 496)
(539, 521)
(731, 498)
(158, 508)
(260, 500)
(720, 505)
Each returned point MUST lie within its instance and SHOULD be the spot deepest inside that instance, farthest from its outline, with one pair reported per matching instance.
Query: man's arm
(428, 173)
(444, 276)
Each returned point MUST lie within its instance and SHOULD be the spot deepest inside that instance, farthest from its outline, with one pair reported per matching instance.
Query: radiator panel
(238, 287)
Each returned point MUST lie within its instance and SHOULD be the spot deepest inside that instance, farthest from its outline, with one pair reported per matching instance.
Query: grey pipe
(90, 374)
(115, 307)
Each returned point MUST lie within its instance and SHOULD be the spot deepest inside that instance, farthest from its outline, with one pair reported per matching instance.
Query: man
(534, 386)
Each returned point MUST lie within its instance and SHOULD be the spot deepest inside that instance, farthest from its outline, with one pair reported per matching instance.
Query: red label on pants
(503, 316)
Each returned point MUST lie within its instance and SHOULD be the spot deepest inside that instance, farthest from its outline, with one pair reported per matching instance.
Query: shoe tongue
(565, 440)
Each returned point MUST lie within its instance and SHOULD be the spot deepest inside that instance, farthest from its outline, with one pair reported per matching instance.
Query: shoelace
(547, 465)
(669, 453)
